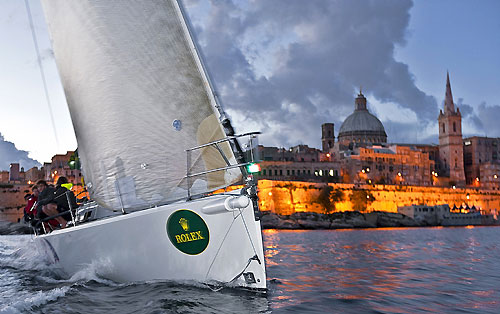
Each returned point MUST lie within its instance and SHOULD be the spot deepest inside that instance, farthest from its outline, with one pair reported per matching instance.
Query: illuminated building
(300, 171)
(450, 139)
(362, 145)
(60, 167)
(361, 127)
(482, 161)
(34, 174)
(398, 165)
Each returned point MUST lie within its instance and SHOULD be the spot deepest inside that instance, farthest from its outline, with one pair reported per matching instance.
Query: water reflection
(390, 270)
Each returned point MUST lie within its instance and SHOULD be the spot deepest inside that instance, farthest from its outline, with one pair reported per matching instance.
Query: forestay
(138, 98)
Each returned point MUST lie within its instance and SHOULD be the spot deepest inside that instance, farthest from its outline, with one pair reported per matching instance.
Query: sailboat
(154, 143)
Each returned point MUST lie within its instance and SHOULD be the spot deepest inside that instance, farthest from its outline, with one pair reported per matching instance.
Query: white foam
(20, 252)
(28, 302)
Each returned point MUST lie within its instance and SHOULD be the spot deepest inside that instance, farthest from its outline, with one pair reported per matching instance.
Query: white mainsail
(138, 98)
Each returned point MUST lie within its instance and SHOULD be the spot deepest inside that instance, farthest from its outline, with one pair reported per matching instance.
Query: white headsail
(138, 98)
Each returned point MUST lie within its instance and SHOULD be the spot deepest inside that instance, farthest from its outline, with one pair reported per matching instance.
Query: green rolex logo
(188, 232)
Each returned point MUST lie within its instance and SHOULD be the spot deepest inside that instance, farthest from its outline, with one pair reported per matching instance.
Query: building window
(264, 171)
(444, 130)
(454, 127)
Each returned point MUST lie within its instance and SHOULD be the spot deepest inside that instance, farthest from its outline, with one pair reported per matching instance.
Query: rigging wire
(42, 73)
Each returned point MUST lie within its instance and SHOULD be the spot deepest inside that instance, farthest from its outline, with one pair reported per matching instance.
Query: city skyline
(273, 79)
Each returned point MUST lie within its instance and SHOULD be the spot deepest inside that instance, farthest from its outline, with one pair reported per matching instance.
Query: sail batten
(138, 98)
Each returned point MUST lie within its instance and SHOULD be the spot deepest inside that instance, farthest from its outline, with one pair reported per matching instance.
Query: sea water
(442, 270)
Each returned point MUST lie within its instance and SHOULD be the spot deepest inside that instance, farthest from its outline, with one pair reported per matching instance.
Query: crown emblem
(184, 224)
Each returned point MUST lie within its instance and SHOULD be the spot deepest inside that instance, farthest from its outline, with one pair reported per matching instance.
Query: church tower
(327, 136)
(450, 139)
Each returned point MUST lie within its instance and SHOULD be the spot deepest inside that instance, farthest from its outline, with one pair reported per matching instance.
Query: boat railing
(243, 158)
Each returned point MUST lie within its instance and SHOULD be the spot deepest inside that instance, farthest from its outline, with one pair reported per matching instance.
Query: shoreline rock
(339, 220)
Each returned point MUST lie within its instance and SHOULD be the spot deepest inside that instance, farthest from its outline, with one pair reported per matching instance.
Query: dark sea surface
(417, 270)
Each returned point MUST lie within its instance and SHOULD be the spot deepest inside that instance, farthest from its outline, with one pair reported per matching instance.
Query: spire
(448, 100)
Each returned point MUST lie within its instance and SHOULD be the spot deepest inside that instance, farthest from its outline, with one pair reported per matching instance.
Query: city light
(253, 168)
(477, 179)
(399, 174)
(495, 176)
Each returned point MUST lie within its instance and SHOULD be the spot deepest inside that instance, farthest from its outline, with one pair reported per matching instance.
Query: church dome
(361, 126)
(361, 121)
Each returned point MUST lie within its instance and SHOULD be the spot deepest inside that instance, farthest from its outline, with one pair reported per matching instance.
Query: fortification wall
(12, 201)
(287, 197)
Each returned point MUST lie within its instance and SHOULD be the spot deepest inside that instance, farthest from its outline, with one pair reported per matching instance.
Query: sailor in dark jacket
(44, 197)
(60, 200)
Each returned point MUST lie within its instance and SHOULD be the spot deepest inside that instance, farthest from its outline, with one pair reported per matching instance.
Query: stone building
(450, 139)
(33, 175)
(361, 128)
(394, 164)
(300, 171)
(301, 153)
(14, 172)
(327, 137)
(482, 160)
(362, 145)
(59, 167)
(4, 176)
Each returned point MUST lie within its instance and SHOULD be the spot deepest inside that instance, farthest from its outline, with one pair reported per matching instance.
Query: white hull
(136, 247)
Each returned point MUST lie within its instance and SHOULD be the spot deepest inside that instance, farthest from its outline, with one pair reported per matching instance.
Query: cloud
(290, 65)
(471, 123)
(488, 116)
(10, 154)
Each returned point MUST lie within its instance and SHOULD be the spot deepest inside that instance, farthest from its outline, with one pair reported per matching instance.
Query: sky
(284, 67)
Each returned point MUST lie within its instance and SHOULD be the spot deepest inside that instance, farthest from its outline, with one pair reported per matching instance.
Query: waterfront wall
(12, 201)
(288, 197)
